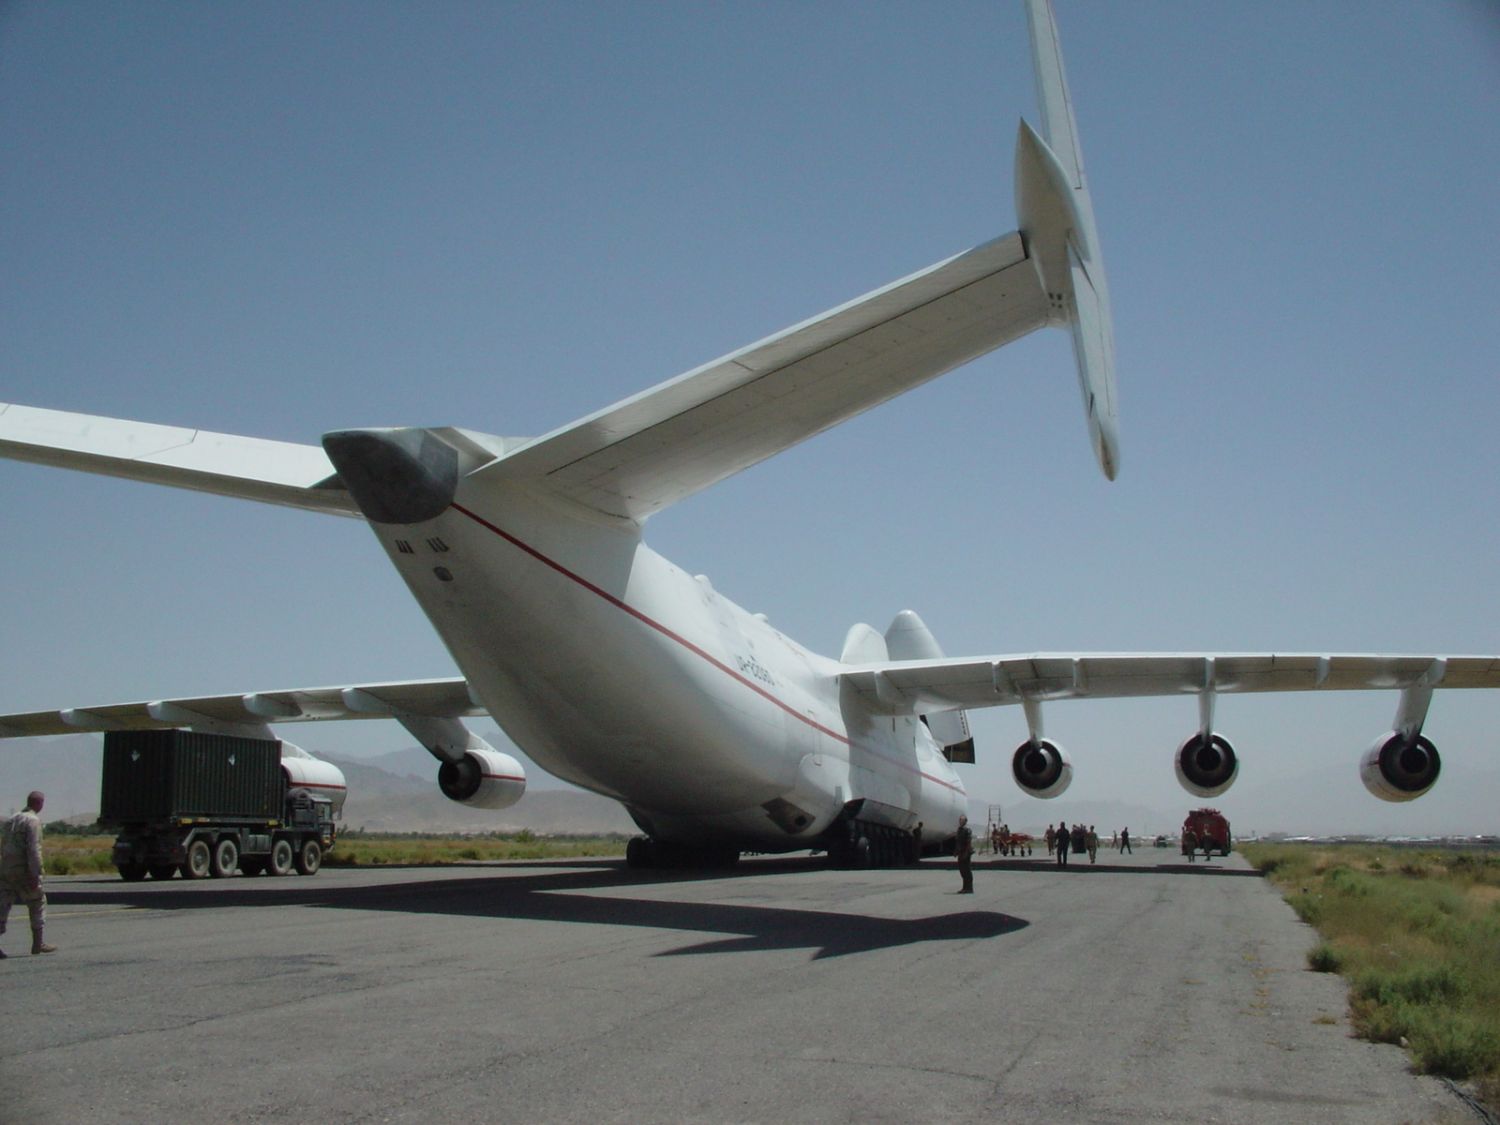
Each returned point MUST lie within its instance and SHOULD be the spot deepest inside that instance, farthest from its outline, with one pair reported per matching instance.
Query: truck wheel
(252, 864)
(132, 872)
(281, 857)
(163, 870)
(226, 858)
(199, 860)
(309, 857)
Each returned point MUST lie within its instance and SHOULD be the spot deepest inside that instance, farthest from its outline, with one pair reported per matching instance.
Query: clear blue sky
(280, 219)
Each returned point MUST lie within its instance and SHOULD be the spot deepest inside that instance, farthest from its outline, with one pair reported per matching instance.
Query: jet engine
(1397, 769)
(1042, 768)
(1206, 767)
(483, 779)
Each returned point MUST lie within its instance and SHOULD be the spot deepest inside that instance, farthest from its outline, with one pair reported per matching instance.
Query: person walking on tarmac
(1125, 842)
(1051, 836)
(1062, 843)
(21, 870)
(1091, 841)
(963, 851)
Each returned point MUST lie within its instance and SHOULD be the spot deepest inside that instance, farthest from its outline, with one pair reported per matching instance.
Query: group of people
(21, 871)
(1061, 841)
(1078, 839)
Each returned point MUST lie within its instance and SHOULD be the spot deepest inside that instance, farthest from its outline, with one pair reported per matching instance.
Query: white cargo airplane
(615, 670)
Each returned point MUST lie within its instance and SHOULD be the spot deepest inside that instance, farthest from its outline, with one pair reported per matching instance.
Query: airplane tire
(163, 870)
(132, 872)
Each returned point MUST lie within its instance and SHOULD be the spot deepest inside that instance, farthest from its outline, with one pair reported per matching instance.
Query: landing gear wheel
(226, 859)
(638, 852)
(281, 857)
(132, 872)
(199, 860)
(309, 858)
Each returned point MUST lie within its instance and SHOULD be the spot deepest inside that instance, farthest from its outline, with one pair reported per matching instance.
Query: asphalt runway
(1140, 989)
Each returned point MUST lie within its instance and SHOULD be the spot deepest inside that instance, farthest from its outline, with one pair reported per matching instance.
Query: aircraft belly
(542, 617)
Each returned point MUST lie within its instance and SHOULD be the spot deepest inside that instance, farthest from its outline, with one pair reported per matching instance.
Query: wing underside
(430, 699)
(899, 687)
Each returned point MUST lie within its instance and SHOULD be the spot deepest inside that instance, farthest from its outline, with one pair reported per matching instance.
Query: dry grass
(83, 855)
(1417, 935)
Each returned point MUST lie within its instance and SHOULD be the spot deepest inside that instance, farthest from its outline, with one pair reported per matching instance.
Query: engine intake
(1397, 770)
(483, 779)
(1206, 767)
(1042, 768)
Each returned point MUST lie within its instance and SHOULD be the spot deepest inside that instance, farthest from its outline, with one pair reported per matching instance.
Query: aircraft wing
(434, 699)
(275, 472)
(915, 686)
(655, 448)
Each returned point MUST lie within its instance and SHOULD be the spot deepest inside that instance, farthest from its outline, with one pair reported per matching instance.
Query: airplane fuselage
(616, 670)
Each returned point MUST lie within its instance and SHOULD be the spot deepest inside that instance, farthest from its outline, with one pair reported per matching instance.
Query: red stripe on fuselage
(678, 639)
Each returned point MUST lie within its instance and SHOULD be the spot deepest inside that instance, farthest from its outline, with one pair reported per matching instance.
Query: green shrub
(1324, 958)
(1411, 984)
(1453, 1044)
(1309, 907)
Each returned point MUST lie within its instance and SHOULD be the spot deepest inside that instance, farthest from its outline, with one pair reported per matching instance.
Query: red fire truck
(1207, 831)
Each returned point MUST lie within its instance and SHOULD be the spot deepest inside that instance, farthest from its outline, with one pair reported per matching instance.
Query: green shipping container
(161, 774)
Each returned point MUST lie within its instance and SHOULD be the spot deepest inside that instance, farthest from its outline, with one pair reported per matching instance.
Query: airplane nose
(402, 476)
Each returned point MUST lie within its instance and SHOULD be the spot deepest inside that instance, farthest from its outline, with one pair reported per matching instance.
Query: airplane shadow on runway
(547, 897)
(1202, 867)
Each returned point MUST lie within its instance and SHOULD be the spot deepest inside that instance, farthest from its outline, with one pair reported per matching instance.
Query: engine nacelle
(1206, 767)
(483, 779)
(322, 779)
(1395, 770)
(1042, 768)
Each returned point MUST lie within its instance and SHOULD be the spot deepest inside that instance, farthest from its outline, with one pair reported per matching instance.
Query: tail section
(1057, 222)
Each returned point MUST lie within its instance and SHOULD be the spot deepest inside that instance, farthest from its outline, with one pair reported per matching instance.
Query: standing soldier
(1092, 842)
(1050, 838)
(21, 870)
(1062, 843)
(963, 849)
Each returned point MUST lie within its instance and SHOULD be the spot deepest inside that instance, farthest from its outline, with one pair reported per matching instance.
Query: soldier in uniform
(963, 850)
(21, 871)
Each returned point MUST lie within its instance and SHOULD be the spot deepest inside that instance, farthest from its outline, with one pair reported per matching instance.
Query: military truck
(208, 805)
(1205, 829)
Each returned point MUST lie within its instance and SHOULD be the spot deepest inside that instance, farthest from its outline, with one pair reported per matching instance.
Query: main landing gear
(860, 844)
(642, 853)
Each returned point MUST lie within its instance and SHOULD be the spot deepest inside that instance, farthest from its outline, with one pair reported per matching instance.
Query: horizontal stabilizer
(685, 434)
(273, 472)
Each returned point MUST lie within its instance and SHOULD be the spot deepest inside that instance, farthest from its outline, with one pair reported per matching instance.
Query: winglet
(1057, 222)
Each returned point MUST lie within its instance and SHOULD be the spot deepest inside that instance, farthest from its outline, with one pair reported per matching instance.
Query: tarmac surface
(1139, 989)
